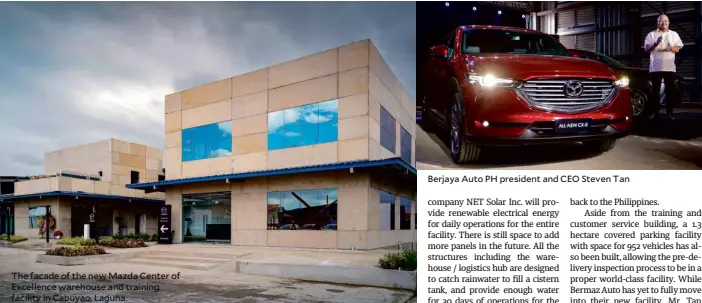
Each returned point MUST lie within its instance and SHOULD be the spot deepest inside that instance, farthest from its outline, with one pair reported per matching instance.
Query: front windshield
(497, 41)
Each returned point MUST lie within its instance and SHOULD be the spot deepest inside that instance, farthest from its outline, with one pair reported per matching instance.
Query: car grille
(550, 94)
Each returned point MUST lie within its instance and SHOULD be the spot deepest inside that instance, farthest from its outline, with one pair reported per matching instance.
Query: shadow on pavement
(510, 156)
(686, 126)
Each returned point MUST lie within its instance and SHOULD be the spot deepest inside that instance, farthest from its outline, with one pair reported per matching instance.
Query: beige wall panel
(64, 219)
(152, 175)
(353, 82)
(353, 106)
(250, 125)
(250, 162)
(383, 238)
(407, 102)
(173, 122)
(174, 139)
(207, 167)
(154, 153)
(373, 209)
(102, 187)
(354, 149)
(353, 128)
(325, 153)
(250, 211)
(34, 186)
(82, 185)
(305, 68)
(175, 199)
(353, 239)
(304, 181)
(122, 146)
(374, 109)
(253, 186)
(290, 157)
(173, 163)
(303, 238)
(354, 55)
(206, 94)
(303, 93)
(384, 72)
(250, 83)
(374, 129)
(374, 149)
(152, 164)
(353, 208)
(249, 237)
(173, 102)
(132, 161)
(207, 114)
(250, 144)
(209, 187)
(121, 170)
(61, 183)
(356, 179)
(138, 150)
(87, 159)
(250, 105)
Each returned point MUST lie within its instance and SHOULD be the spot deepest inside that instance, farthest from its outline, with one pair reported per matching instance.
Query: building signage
(92, 220)
(164, 225)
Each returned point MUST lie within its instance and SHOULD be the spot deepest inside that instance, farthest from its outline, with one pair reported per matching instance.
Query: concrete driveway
(191, 286)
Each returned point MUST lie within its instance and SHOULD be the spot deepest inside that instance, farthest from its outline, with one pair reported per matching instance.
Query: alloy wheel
(638, 102)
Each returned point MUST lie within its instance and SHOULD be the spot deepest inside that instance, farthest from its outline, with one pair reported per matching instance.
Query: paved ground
(192, 285)
(674, 145)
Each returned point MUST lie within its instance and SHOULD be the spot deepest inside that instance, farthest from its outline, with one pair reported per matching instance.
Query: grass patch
(405, 260)
(76, 241)
(13, 238)
(75, 251)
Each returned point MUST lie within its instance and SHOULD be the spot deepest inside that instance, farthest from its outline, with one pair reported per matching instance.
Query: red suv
(491, 86)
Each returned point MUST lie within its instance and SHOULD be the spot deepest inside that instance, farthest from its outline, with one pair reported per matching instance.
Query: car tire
(600, 146)
(639, 104)
(462, 151)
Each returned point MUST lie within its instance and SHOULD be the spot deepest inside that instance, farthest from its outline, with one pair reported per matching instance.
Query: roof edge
(278, 172)
(60, 193)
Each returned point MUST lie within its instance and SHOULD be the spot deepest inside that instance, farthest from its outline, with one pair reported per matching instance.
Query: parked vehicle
(639, 83)
(490, 86)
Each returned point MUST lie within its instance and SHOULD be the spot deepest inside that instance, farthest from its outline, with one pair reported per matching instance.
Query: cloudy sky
(72, 73)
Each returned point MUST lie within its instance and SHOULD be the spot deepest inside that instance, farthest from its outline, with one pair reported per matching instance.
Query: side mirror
(440, 51)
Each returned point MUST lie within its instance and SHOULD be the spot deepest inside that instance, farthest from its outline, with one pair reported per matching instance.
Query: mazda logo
(573, 88)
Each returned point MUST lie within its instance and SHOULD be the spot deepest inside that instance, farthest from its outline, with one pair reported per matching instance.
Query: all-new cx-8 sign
(164, 225)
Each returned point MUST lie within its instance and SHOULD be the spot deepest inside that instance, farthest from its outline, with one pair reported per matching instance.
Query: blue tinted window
(387, 130)
(308, 209)
(304, 125)
(405, 146)
(387, 211)
(207, 141)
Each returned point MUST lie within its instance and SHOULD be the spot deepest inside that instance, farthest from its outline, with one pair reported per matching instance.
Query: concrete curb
(363, 276)
(80, 260)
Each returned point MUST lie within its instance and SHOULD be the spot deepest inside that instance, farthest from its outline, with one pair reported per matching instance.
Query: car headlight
(489, 80)
(622, 82)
